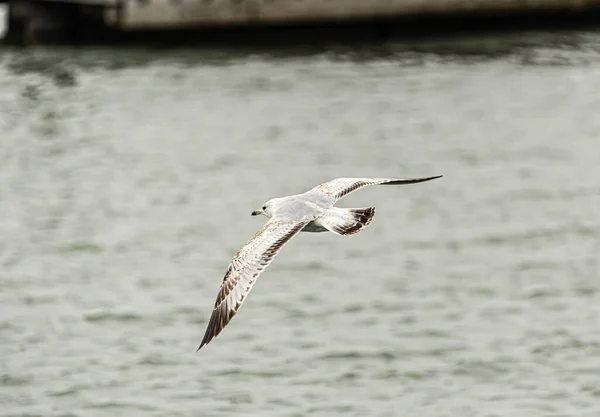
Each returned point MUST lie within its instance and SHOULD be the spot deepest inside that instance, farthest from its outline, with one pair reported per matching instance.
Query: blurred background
(128, 174)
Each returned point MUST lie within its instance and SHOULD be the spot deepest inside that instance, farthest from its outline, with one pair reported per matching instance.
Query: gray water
(127, 178)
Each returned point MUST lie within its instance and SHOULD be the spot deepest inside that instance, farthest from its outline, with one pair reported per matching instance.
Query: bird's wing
(341, 187)
(244, 269)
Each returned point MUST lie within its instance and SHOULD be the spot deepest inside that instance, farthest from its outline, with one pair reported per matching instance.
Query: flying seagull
(312, 211)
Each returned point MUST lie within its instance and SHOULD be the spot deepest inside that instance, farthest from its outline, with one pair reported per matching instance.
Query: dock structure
(33, 17)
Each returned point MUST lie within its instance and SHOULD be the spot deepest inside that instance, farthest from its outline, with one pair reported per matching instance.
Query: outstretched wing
(340, 187)
(244, 269)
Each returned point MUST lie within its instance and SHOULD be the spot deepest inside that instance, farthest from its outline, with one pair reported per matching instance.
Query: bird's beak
(256, 212)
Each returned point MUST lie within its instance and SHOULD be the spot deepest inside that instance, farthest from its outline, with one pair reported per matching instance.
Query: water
(127, 178)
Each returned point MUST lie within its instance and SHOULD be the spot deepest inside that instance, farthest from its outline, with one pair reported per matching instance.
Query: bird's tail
(346, 222)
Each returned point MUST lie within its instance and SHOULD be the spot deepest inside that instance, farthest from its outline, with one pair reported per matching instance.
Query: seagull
(312, 211)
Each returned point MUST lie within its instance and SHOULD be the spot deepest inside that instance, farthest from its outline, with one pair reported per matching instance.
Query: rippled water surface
(127, 178)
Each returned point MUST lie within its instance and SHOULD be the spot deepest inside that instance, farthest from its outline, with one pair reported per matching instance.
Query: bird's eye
(264, 207)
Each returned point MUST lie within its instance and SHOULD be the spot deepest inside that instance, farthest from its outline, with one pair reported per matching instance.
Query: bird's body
(296, 207)
(312, 211)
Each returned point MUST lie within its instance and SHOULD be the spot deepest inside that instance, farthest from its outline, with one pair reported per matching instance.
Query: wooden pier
(64, 18)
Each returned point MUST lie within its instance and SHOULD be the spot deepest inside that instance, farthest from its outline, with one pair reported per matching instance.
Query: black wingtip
(207, 338)
(412, 180)
(204, 342)
(416, 180)
(430, 178)
(210, 332)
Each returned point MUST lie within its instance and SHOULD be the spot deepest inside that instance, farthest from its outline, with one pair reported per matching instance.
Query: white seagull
(312, 211)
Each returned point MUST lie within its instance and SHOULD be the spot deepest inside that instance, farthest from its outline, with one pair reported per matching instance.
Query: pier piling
(57, 20)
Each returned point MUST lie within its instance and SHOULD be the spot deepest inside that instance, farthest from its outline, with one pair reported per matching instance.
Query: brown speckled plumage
(244, 269)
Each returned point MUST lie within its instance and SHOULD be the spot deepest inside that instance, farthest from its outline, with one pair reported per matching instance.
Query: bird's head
(265, 210)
